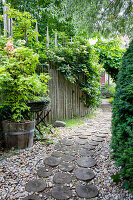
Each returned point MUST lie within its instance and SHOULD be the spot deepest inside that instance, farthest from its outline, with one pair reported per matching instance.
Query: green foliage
(111, 91)
(122, 122)
(110, 53)
(18, 81)
(84, 17)
(111, 100)
(116, 178)
(79, 64)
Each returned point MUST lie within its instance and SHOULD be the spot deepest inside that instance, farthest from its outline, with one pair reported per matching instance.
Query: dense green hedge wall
(122, 122)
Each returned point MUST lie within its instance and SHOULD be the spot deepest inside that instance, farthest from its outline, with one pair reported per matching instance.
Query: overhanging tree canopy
(107, 17)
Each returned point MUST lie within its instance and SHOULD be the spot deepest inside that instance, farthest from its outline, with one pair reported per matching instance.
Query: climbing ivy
(78, 62)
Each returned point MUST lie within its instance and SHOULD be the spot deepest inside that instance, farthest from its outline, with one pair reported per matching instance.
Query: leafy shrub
(19, 82)
(122, 122)
(111, 91)
(79, 64)
(111, 53)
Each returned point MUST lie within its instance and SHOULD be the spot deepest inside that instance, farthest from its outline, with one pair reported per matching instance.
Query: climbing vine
(78, 62)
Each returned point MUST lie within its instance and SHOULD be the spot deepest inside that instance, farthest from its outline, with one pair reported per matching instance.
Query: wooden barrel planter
(18, 135)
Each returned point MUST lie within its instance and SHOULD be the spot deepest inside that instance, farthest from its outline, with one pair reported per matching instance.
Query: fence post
(11, 27)
(5, 18)
(47, 38)
(56, 41)
(37, 32)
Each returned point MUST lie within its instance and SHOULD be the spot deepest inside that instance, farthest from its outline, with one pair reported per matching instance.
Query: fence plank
(65, 97)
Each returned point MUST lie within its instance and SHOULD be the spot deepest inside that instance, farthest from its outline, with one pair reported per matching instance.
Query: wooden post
(108, 86)
(11, 27)
(5, 18)
(47, 38)
(37, 32)
(56, 41)
(0, 31)
(8, 24)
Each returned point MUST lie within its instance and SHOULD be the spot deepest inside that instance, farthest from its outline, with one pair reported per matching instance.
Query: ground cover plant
(122, 123)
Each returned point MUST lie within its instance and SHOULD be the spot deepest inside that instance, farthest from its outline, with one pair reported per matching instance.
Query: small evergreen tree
(122, 122)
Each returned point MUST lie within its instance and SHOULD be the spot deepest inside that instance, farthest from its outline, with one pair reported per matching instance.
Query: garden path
(78, 166)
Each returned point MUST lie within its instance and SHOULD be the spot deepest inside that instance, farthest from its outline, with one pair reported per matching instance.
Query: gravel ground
(17, 170)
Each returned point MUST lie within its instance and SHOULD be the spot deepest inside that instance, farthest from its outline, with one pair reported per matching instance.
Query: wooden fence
(65, 97)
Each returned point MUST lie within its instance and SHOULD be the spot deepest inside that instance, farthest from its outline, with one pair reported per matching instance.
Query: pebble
(19, 169)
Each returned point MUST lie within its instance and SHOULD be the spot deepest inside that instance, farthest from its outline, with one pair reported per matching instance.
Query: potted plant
(19, 84)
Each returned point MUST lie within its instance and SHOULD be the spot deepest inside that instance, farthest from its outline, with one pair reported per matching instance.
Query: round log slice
(86, 162)
(32, 197)
(36, 185)
(66, 167)
(68, 158)
(82, 142)
(86, 152)
(83, 137)
(61, 192)
(67, 142)
(62, 178)
(94, 143)
(71, 153)
(52, 161)
(87, 134)
(57, 154)
(101, 135)
(84, 174)
(88, 146)
(86, 191)
(44, 172)
(60, 147)
(98, 139)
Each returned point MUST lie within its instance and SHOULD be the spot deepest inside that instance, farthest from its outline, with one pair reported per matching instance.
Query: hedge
(122, 120)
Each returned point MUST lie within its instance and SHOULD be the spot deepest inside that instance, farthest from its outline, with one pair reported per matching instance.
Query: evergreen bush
(122, 122)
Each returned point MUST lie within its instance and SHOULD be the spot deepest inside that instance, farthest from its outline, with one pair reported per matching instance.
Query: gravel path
(89, 141)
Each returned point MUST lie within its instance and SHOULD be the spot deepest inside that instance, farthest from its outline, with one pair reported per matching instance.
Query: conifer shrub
(122, 121)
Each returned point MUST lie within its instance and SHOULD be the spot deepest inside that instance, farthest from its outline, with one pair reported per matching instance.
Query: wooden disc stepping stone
(32, 197)
(86, 191)
(88, 146)
(71, 153)
(79, 131)
(84, 174)
(36, 185)
(60, 147)
(83, 137)
(87, 134)
(98, 139)
(67, 142)
(61, 192)
(66, 167)
(94, 143)
(101, 135)
(62, 178)
(68, 158)
(69, 137)
(86, 152)
(52, 161)
(57, 154)
(44, 172)
(81, 142)
(76, 134)
(86, 162)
